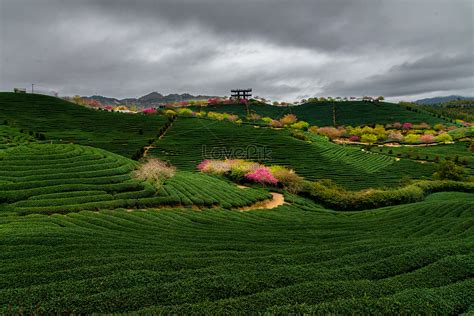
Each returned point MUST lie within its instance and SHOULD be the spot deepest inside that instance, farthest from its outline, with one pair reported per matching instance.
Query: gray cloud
(282, 48)
(430, 73)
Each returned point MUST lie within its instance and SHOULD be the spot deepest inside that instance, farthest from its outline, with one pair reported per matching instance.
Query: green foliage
(369, 138)
(444, 138)
(337, 198)
(64, 122)
(448, 170)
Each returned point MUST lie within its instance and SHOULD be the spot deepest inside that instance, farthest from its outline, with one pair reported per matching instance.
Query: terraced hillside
(66, 122)
(199, 139)
(459, 151)
(43, 178)
(411, 259)
(347, 113)
(10, 136)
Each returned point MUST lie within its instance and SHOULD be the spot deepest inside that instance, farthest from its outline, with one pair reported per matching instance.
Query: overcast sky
(284, 50)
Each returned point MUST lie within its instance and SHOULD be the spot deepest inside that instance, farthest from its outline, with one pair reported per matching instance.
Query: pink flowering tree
(149, 110)
(407, 125)
(262, 175)
(427, 139)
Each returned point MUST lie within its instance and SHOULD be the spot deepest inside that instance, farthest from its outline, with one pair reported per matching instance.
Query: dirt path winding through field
(277, 200)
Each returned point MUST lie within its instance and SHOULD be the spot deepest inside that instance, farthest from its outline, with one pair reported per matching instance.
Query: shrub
(154, 171)
(369, 138)
(185, 112)
(397, 125)
(253, 117)
(299, 135)
(313, 129)
(275, 123)
(395, 136)
(302, 125)
(170, 113)
(267, 120)
(290, 181)
(288, 119)
(444, 138)
(201, 114)
(233, 118)
(330, 132)
(439, 127)
(427, 138)
(412, 138)
(354, 138)
(448, 170)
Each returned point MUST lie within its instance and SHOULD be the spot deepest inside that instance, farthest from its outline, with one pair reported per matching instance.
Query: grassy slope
(199, 139)
(347, 113)
(63, 121)
(415, 258)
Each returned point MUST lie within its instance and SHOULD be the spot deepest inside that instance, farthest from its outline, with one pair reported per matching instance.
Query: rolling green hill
(80, 234)
(46, 179)
(410, 259)
(347, 113)
(65, 122)
(200, 139)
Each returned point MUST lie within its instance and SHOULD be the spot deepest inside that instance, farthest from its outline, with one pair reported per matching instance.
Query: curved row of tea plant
(10, 136)
(204, 190)
(200, 139)
(460, 152)
(415, 259)
(43, 178)
(65, 122)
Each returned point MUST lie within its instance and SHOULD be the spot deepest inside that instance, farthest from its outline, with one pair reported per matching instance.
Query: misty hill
(437, 100)
(153, 98)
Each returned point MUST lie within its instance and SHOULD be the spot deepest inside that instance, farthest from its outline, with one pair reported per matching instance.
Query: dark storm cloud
(430, 73)
(282, 49)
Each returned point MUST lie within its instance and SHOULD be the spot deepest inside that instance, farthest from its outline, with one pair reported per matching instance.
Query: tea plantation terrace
(65, 122)
(43, 178)
(409, 259)
(315, 160)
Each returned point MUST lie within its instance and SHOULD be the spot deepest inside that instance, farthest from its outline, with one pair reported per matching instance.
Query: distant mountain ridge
(153, 98)
(436, 100)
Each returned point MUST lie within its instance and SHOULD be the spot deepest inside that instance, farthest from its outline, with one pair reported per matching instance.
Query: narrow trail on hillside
(277, 200)
(147, 148)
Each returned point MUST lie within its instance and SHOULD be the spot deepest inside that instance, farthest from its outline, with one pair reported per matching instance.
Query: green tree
(369, 138)
(448, 170)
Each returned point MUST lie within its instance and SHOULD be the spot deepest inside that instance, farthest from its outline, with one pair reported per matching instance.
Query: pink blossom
(407, 125)
(203, 165)
(262, 175)
(149, 110)
(354, 138)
